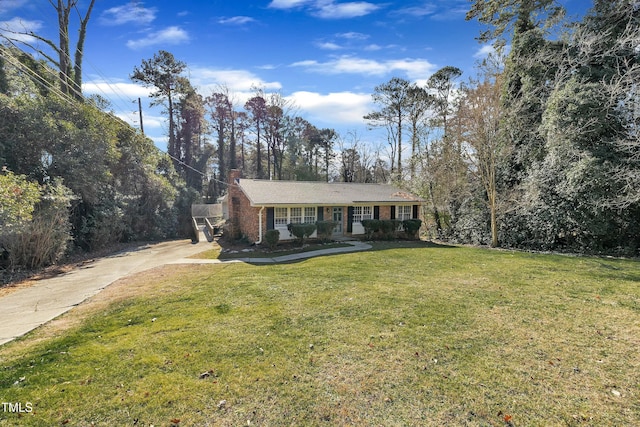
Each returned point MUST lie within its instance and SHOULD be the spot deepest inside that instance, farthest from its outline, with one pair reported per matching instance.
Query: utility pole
(140, 113)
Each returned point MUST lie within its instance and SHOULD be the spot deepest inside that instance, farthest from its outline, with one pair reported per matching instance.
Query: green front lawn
(398, 336)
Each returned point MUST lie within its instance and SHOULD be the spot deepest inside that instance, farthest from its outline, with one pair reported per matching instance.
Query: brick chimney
(233, 198)
(234, 176)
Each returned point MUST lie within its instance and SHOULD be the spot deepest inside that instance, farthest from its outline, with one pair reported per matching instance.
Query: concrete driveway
(27, 308)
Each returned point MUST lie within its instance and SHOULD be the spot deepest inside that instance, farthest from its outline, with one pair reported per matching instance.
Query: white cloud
(329, 46)
(452, 13)
(352, 35)
(287, 4)
(441, 11)
(490, 49)
(130, 13)
(343, 65)
(18, 29)
(344, 10)
(150, 121)
(413, 68)
(170, 36)
(209, 79)
(236, 20)
(484, 51)
(328, 9)
(338, 107)
(7, 6)
(418, 11)
(373, 47)
(111, 89)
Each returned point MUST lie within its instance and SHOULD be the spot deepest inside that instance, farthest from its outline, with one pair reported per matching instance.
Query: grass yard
(405, 335)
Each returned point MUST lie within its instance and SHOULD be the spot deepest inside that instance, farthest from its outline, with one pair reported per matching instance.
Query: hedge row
(390, 228)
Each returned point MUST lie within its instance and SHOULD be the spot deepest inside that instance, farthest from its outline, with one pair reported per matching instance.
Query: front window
(362, 212)
(280, 216)
(296, 215)
(310, 215)
(404, 212)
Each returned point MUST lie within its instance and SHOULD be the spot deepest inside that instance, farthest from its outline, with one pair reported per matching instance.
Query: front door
(337, 217)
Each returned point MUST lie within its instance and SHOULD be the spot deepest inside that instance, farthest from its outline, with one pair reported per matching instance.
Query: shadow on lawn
(382, 245)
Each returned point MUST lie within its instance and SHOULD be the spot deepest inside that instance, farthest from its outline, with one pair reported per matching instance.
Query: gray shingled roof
(270, 193)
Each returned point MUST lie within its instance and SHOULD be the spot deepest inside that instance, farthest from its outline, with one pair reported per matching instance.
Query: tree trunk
(258, 153)
(400, 146)
(63, 53)
(492, 193)
(172, 148)
(436, 213)
(221, 154)
(494, 226)
(82, 34)
(232, 142)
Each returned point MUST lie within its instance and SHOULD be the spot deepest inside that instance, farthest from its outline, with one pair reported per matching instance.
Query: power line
(124, 99)
(38, 78)
(72, 102)
(44, 83)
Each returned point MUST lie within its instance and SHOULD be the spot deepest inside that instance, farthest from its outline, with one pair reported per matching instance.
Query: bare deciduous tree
(479, 115)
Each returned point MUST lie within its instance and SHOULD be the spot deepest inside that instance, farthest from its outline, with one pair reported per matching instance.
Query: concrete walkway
(25, 309)
(356, 246)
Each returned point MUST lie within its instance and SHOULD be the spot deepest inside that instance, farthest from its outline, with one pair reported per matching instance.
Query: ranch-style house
(253, 206)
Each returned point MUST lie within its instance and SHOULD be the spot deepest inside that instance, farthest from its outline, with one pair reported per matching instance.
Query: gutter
(260, 226)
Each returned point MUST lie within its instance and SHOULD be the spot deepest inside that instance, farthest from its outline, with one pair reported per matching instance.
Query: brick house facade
(254, 206)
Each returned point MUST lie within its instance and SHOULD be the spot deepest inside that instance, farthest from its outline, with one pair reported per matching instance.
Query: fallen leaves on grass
(206, 374)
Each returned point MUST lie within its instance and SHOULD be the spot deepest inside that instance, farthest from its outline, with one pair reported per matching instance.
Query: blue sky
(324, 56)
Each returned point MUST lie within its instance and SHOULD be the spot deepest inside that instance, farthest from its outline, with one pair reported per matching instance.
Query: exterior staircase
(206, 220)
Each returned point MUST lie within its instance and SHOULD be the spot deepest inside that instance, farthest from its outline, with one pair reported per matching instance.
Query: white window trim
(300, 217)
(283, 226)
(358, 217)
(314, 215)
(403, 207)
(281, 220)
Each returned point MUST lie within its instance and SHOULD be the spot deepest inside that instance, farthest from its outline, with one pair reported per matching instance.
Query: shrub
(411, 227)
(272, 237)
(389, 228)
(371, 226)
(381, 229)
(18, 199)
(301, 231)
(325, 230)
(43, 240)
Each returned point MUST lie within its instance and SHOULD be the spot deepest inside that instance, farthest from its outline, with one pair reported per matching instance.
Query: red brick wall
(385, 212)
(244, 218)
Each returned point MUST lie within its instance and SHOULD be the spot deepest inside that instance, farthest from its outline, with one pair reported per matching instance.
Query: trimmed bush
(371, 226)
(385, 229)
(271, 237)
(302, 231)
(325, 230)
(389, 228)
(411, 227)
